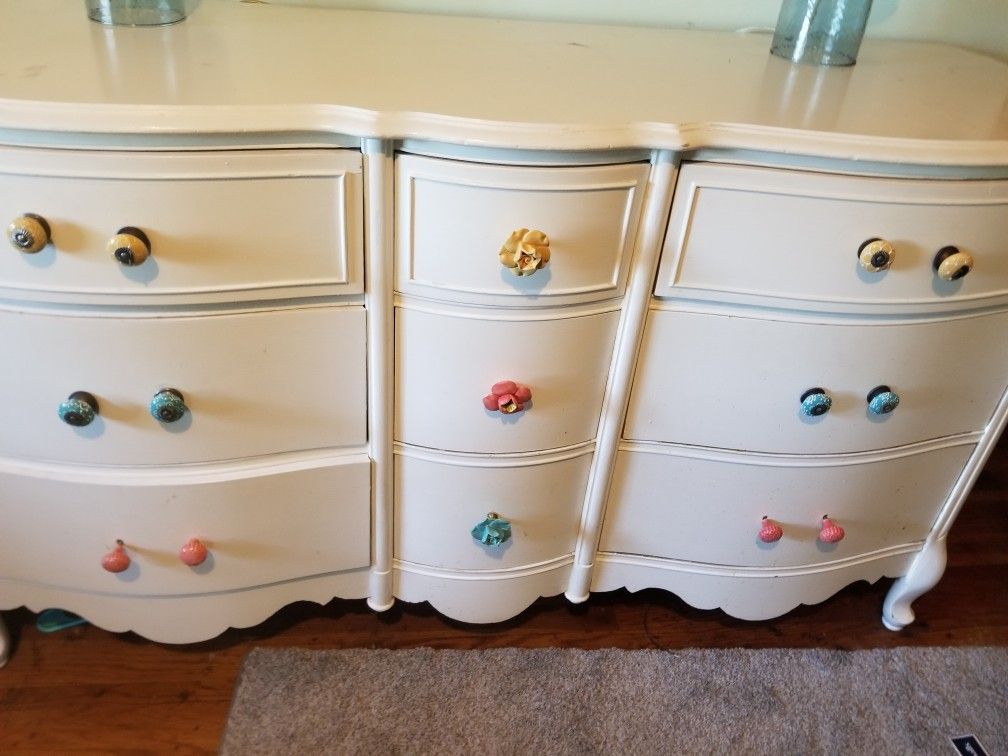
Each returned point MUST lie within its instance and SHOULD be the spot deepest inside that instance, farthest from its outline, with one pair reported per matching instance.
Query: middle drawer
(447, 363)
(736, 382)
(254, 383)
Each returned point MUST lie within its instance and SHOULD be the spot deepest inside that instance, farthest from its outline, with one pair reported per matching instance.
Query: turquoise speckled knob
(79, 409)
(882, 400)
(815, 402)
(167, 406)
(493, 531)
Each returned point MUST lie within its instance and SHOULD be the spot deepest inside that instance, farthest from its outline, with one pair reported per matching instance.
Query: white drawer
(223, 226)
(736, 382)
(747, 234)
(439, 500)
(447, 364)
(258, 530)
(710, 510)
(453, 218)
(254, 383)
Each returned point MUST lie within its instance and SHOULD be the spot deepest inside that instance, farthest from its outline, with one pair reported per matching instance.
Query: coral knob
(507, 397)
(116, 560)
(829, 531)
(193, 552)
(770, 531)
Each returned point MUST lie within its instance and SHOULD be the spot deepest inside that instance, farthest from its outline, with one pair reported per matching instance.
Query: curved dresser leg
(924, 574)
(4, 642)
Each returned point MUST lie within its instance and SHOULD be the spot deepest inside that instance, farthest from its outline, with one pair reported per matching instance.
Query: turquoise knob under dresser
(715, 274)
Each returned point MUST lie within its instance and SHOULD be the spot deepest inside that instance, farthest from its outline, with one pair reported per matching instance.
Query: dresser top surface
(249, 66)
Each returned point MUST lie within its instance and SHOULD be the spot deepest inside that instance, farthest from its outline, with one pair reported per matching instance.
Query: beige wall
(978, 24)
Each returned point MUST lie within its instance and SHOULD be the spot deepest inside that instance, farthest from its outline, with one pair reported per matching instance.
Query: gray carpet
(563, 701)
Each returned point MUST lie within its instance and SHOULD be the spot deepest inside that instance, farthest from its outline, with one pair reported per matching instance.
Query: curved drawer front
(447, 364)
(253, 383)
(254, 224)
(454, 218)
(710, 510)
(440, 500)
(256, 530)
(736, 382)
(745, 234)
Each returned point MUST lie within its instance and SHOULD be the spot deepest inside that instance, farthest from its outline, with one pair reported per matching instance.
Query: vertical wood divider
(379, 161)
(657, 204)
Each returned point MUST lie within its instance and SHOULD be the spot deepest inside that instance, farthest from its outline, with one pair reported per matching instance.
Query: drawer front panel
(454, 217)
(736, 382)
(257, 530)
(439, 502)
(254, 383)
(740, 232)
(445, 365)
(240, 222)
(711, 510)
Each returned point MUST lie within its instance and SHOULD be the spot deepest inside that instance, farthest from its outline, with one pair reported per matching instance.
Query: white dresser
(289, 316)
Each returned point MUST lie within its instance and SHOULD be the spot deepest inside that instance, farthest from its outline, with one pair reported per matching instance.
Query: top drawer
(231, 226)
(453, 218)
(791, 238)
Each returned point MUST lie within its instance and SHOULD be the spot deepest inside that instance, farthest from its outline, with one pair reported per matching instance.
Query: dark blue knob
(815, 402)
(167, 406)
(882, 400)
(79, 409)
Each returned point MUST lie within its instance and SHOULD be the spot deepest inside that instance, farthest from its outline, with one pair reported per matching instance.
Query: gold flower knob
(525, 252)
(28, 233)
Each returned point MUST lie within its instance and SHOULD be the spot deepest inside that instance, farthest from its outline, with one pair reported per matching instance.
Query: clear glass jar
(137, 12)
(823, 32)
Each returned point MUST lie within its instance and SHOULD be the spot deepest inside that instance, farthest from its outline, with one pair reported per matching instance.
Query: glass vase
(823, 32)
(137, 12)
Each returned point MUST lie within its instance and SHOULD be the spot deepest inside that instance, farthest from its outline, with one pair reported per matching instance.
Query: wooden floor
(87, 689)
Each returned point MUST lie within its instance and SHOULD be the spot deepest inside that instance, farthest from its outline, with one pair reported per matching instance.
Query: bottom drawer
(710, 509)
(440, 499)
(258, 529)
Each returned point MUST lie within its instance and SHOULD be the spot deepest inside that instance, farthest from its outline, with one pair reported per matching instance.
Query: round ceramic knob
(770, 531)
(168, 406)
(130, 246)
(950, 264)
(815, 402)
(525, 252)
(116, 560)
(193, 552)
(29, 233)
(829, 531)
(876, 255)
(79, 409)
(882, 400)
(493, 531)
(507, 397)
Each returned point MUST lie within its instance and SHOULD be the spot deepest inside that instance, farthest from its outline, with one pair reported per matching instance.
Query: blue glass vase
(823, 32)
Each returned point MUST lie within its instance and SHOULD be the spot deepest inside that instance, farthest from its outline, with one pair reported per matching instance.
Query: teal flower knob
(815, 402)
(79, 409)
(493, 531)
(882, 400)
(168, 406)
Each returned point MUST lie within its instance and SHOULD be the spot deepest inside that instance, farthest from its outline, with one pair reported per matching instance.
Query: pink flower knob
(193, 552)
(829, 531)
(507, 397)
(116, 560)
(770, 531)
